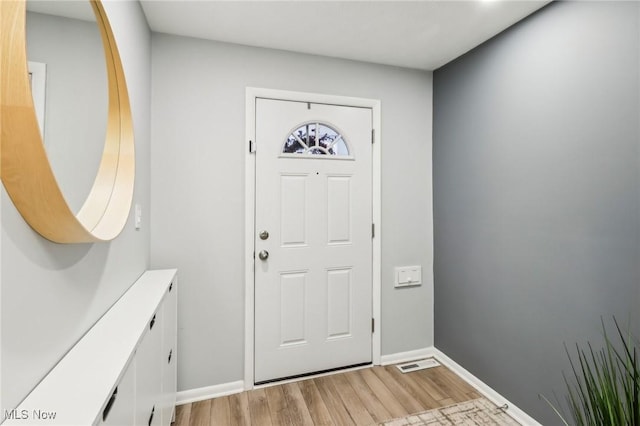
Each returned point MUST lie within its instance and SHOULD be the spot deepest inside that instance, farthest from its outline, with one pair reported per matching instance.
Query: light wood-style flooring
(362, 397)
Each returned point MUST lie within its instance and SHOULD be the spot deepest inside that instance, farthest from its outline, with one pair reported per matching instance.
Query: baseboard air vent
(418, 365)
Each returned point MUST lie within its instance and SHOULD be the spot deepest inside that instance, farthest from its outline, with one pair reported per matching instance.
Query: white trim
(513, 411)
(249, 228)
(407, 356)
(209, 392)
(319, 157)
(377, 220)
(252, 94)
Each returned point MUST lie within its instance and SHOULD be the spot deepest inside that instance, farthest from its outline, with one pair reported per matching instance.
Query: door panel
(339, 209)
(292, 308)
(339, 303)
(293, 207)
(313, 273)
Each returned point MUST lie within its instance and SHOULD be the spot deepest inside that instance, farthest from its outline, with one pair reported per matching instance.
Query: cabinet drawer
(148, 373)
(120, 408)
(169, 362)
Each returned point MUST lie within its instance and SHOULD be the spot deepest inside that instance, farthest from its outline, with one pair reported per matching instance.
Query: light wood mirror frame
(24, 166)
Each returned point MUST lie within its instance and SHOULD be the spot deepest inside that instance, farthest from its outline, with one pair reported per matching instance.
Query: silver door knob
(263, 255)
(264, 235)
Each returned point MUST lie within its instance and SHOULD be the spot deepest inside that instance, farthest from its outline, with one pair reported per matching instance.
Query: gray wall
(76, 98)
(536, 195)
(198, 155)
(52, 293)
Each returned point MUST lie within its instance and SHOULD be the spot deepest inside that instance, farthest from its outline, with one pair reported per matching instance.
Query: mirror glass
(70, 90)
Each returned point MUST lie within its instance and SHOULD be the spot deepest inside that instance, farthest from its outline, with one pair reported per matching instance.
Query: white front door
(313, 264)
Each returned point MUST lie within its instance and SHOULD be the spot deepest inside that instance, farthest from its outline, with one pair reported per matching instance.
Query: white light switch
(408, 276)
(138, 216)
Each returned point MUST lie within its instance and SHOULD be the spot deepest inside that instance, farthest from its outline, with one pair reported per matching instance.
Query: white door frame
(252, 94)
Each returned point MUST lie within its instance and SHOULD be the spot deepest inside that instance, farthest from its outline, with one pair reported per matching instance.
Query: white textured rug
(475, 412)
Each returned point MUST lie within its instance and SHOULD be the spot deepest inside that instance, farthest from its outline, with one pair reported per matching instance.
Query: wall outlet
(408, 276)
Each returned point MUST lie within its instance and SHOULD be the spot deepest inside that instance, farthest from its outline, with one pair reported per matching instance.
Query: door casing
(252, 94)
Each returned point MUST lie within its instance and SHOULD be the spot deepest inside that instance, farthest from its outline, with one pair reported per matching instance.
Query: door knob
(263, 255)
(264, 235)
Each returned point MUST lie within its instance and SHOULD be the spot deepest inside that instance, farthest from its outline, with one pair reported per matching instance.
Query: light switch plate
(138, 216)
(406, 276)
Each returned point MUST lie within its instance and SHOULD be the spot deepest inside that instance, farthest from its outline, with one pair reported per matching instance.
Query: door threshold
(305, 376)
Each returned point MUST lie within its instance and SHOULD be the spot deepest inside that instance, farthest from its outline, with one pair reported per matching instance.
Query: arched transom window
(316, 139)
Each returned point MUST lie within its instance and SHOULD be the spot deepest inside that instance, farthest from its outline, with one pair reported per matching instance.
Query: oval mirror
(26, 169)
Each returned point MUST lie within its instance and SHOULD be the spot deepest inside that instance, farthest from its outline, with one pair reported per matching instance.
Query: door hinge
(252, 147)
(373, 135)
(373, 325)
(373, 230)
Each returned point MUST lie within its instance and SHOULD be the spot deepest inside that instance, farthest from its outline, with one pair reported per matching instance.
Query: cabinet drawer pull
(107, 409)
(153, 321)
(151, 416)
(170, 353)
(171, 286)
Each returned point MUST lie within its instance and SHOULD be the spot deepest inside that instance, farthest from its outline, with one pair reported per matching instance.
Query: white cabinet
(149, 374)
(123, 371)
(170, 359)
(120, 408)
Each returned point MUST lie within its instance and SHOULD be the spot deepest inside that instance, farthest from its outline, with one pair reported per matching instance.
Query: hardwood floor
(362, 397)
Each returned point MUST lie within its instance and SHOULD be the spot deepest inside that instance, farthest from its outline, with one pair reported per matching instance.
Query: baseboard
(200, 394)
(519, 415)
(407, 356)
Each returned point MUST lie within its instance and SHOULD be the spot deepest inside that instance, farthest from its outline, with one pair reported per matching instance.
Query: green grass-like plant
(604, 389)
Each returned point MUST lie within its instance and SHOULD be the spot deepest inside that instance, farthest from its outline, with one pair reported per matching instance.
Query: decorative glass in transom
(316, 139)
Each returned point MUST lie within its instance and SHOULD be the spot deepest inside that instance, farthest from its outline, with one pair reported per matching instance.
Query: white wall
(52, 293)
(197, 169)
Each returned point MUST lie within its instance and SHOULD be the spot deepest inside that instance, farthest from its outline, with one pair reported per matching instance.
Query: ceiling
(415, 34)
